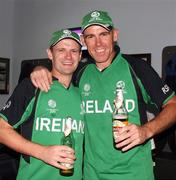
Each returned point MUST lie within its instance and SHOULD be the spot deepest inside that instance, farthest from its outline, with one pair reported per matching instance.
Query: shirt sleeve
(158, 91)
(18, 102)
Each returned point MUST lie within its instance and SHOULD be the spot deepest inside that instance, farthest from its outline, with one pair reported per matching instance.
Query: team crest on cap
(95, 16)
(66, 33)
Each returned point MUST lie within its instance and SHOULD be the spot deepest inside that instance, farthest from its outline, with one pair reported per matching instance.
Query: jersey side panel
(18, 102)
(157, 89)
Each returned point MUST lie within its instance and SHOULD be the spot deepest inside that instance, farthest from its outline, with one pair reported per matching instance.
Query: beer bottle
(120, 115)
(68, 140)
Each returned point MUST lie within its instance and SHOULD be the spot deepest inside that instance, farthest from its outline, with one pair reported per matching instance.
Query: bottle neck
(119, 105)
(68, 126)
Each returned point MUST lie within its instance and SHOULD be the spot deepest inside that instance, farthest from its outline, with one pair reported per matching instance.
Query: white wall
(145, 26)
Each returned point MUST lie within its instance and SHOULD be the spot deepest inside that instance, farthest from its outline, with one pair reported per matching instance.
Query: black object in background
(27, 67)
(9, 162)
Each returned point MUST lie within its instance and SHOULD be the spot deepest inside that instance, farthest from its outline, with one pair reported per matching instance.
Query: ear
(49, 53)
(82, 40)
(80, 56)
(115, 34)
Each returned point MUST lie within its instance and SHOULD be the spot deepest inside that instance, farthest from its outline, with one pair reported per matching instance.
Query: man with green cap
(131, 157)
(42, 121)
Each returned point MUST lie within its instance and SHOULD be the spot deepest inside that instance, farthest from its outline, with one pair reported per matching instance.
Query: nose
(98, 41)
(68, 55)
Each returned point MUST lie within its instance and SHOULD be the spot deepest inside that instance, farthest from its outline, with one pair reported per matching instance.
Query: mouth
(67, 63)
(102, 50)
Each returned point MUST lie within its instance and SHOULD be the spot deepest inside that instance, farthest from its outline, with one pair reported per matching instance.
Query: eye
(89, 36)
(105, 33)
(60, 50)
(75, 51)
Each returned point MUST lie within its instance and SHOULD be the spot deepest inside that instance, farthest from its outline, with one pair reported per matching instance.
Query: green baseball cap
(97, 18)
(63, 34)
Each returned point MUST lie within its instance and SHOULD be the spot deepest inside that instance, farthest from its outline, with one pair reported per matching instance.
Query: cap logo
(95, 16)
(66, 33)
(63, 34)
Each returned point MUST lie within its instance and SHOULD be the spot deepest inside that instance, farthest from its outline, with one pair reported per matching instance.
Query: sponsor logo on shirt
(7, 105)
(165, 89)
(86, 89)
(52, 107)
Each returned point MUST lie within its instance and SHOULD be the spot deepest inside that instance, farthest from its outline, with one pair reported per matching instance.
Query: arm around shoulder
(41, 78)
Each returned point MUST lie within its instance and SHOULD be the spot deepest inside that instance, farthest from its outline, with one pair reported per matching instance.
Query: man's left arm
(162, 96)
(133, 135)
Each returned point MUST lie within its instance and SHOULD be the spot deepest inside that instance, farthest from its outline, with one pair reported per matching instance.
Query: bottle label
(120, 121)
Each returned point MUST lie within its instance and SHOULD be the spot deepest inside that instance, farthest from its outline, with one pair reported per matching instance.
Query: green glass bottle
(68, 140)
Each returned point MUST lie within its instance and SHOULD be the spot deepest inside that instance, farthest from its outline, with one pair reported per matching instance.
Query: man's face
(65, 56)
(100, 44)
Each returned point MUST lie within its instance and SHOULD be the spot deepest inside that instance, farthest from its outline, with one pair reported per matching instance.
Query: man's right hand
(41, 78)
(55, 155)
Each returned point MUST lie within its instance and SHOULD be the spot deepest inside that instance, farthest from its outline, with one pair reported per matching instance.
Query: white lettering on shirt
(57, 125)
(93, 106)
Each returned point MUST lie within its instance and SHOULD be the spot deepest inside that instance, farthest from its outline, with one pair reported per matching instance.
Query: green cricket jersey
(102, 160)
(47, 127)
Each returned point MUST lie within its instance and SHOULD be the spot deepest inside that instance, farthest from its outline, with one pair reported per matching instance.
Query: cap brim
(98, 24)
(66, 38)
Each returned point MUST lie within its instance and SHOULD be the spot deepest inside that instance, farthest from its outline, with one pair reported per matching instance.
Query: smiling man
(40, 138)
